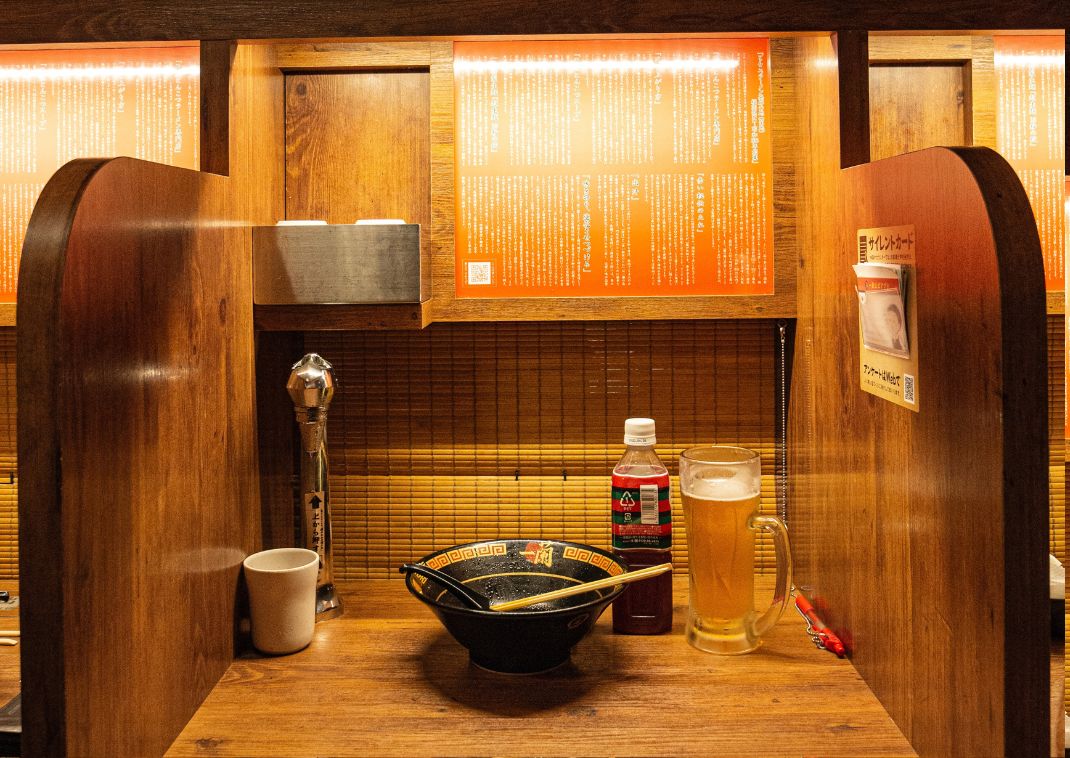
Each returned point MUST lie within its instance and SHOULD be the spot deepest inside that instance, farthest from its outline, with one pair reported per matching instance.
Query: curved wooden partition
(923, 533)
(137, 452)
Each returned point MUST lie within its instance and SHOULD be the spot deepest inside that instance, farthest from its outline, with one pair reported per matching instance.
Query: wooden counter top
(387, 680)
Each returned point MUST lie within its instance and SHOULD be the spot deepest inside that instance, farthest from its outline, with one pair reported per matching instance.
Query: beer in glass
(721, 489)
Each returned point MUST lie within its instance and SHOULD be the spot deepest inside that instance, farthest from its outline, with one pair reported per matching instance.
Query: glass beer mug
(721, 488)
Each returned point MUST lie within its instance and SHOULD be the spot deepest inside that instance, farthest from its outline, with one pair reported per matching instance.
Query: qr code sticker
(479, 273)
(908, 389)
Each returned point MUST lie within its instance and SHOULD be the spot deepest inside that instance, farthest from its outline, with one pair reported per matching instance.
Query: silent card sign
(887, 314)
(77, 103)
(1031, 135)
(613, 167)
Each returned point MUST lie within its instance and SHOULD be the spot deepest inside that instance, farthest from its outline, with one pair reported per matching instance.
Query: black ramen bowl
(528, 640)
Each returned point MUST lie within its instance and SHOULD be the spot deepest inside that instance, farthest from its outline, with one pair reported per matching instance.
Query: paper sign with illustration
(881, 289)
(885, 282)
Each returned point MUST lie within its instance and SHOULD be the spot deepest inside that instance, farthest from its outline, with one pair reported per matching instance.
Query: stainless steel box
(350, 263)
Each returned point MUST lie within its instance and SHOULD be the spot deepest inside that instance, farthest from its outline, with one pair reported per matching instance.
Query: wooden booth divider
(137, 435)
(137, 452)
(922, 531)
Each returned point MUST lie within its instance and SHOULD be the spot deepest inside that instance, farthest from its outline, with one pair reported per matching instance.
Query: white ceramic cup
(282, 598)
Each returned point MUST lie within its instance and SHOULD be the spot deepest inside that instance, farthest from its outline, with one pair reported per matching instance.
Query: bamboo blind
(476, 431)
(481, 401)
(1057, 454)
(480, 431)
(1056, 436)
(9, 489)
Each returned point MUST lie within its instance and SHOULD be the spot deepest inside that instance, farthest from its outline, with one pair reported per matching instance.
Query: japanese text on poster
(1030, 134)
(58, 105)
(619, 167)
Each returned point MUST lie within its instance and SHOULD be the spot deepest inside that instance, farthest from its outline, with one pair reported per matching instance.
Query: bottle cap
(639, 431)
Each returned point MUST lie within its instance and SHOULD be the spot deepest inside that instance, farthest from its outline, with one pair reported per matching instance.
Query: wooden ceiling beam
(144, 20)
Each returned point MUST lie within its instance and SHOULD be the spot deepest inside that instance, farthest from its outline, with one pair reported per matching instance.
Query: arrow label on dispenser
(313, 503)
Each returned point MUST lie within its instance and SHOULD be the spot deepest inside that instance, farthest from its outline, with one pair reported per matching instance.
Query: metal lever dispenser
(311, 386)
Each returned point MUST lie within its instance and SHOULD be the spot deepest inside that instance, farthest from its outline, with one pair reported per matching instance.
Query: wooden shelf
(386, 679)
(311, 318)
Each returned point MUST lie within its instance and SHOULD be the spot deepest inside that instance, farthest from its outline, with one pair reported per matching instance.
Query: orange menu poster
(57, 105)
(1030, 134)
(613, 167)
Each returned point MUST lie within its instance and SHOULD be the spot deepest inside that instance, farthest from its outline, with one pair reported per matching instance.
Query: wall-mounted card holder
(339, 264)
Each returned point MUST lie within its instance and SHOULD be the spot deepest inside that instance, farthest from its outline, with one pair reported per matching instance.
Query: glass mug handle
(782, 593)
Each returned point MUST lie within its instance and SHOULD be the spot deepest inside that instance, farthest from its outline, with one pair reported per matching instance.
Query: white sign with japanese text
(886, 287)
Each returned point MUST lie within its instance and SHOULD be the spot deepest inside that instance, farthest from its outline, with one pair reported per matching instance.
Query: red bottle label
(642, 514)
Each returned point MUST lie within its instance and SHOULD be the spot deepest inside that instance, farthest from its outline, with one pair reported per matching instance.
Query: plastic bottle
(642, 531)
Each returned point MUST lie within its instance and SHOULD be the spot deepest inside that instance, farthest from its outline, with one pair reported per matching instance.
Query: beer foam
(713, 487)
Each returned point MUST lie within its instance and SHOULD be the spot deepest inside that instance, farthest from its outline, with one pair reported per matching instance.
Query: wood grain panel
(443, 207)
(852, 57)
(256, 134)
(336, 56)
(785, 197)
(138, 357)
(217, 61)
(297, 318)
(357, 146)
(982, 87)
(1024, 444)
(88, 20)
(917, 106)
(895, 500)
(411, 674)
(975, 53)
(41, 570)
(817, 175)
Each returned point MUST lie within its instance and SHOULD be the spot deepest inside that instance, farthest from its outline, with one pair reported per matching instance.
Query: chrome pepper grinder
(311, 386)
